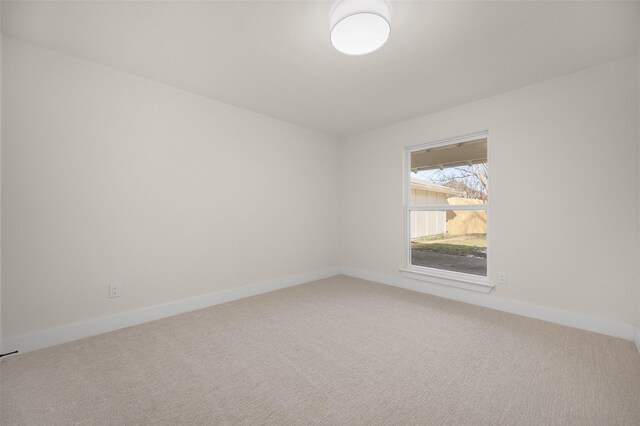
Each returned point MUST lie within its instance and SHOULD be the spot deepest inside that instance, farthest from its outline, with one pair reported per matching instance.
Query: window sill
(447, 278)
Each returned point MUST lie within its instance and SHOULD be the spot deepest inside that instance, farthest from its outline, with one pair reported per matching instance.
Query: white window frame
(433, 275)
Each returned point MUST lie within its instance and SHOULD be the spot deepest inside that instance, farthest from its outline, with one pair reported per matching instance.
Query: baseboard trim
(76, 331)
(71, 332)
(545, 313)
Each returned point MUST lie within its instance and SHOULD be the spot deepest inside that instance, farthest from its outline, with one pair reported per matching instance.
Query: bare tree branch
(471, 181)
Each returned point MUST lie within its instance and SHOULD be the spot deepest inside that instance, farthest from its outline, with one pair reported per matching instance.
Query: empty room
(342, 212)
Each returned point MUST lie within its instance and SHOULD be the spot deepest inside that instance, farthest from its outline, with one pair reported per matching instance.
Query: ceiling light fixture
(360, 26)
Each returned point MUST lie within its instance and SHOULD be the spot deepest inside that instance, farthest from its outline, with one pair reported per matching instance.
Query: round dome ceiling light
(360, 26)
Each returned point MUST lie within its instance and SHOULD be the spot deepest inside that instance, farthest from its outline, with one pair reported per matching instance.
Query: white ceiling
(275, 58)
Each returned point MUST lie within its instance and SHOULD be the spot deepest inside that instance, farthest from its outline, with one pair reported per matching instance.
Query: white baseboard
(558, 316)
(71, 332)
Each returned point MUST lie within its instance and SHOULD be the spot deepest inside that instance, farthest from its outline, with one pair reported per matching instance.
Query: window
(447, 202)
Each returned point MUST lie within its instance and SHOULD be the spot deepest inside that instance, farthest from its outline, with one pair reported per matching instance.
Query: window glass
(448, 200)
(452, 240)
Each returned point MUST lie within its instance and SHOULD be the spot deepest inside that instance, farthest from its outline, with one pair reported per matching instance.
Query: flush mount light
(360, 26)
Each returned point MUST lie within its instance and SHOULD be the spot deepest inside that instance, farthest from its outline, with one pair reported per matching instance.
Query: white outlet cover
(114, 290)
(502, 277)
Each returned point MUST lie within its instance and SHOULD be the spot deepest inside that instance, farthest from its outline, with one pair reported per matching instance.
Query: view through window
(448, 201)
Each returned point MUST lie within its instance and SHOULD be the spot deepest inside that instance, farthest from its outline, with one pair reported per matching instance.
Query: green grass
(473, 242)
(455, 245)
(433, 237)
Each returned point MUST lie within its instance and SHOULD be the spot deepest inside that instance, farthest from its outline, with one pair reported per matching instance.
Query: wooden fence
(466, 221)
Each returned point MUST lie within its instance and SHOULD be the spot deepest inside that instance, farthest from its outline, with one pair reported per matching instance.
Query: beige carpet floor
(340, 351)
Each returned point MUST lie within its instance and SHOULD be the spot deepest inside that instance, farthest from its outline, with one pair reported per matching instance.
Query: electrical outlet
(114, 290)
(502, 277)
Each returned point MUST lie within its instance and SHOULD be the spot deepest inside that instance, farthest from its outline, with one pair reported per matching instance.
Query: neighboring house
(434, 222)
(426, 223)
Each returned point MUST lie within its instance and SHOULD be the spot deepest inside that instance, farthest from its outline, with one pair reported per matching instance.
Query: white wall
(637, 339)
(1, 37)
(107, 177)
(551, 147)
(427, 223)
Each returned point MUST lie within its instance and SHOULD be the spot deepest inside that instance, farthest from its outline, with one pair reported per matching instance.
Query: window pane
(445, 175)
(453, 240)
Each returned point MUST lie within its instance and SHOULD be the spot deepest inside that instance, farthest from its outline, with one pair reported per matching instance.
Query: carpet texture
(339, 351)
